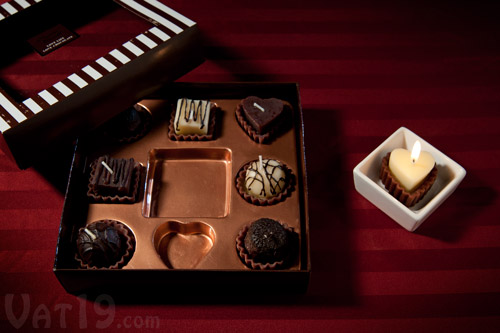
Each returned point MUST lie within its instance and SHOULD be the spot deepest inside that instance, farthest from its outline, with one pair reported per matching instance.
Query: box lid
(86, 98)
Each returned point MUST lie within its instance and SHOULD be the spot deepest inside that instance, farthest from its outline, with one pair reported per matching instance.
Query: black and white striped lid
(167, 23)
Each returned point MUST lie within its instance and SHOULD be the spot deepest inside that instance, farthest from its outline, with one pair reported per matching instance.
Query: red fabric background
(365, 69)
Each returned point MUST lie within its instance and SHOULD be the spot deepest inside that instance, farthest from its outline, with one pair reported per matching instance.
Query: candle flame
(415, 152)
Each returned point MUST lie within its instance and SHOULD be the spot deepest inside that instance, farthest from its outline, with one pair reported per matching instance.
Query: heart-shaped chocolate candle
(410, 174)
(262, 113)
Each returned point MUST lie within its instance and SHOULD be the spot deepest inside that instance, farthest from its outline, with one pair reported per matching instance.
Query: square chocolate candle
(113, 176)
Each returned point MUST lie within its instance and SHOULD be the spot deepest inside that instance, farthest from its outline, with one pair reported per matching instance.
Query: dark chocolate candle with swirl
(129, 125)
(99, 245)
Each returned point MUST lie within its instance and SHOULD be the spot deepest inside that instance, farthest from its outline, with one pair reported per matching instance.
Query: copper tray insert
(189, 211)
(188, 182)
(183, 245)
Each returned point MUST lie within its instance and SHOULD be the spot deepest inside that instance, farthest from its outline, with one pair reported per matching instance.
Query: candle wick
(260, 163)
(107, 167)
(88, 232)
(413, 161)
(259, 107)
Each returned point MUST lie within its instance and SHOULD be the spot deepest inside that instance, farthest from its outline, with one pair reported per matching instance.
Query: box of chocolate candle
(199, 188)
(51, 92)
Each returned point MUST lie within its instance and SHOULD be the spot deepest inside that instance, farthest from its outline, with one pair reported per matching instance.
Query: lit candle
(415, 152)
(411, 169)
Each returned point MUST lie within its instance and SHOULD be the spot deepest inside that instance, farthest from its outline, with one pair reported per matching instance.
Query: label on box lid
(52, 39)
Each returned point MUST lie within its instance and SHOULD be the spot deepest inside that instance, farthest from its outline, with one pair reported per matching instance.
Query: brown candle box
(190, 212)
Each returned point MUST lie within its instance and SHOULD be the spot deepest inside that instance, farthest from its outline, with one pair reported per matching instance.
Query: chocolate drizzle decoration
(193, 111)
(209, 111)
(275, 185)
(286, 188)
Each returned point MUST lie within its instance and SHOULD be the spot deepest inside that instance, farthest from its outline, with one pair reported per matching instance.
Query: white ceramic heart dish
(369, 185)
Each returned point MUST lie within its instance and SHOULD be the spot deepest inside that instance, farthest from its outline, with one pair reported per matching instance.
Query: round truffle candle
(410, 168)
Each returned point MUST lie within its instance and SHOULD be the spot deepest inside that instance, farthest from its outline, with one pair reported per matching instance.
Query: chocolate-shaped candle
(114, 180)
(262, 114)
(267, 241)
(113, 176)
(99, 245)
(192, 116)
(265, 178)
(104, 244)
(408, 176)
(410, 169)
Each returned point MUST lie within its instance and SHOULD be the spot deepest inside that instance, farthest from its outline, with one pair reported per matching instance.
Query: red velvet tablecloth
(365, 69)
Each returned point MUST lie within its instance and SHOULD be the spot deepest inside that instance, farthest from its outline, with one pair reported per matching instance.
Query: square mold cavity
(188, 182)
(367, 181)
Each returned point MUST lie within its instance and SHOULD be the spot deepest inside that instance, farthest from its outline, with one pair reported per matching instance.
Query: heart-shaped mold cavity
(183, 245)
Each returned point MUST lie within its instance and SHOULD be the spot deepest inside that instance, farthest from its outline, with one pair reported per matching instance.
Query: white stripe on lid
(8, 7)
(63, 89)
(77, 80)
(132, 48)
(3, 125)
(11, 108)
(32, 105)
(158, 18)
(160, 34)
(146, 41)
(23, 3)
(120, 56)
(48, 97)
(106, 64)
(171, 12)
(92, 72)
(11, 9)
